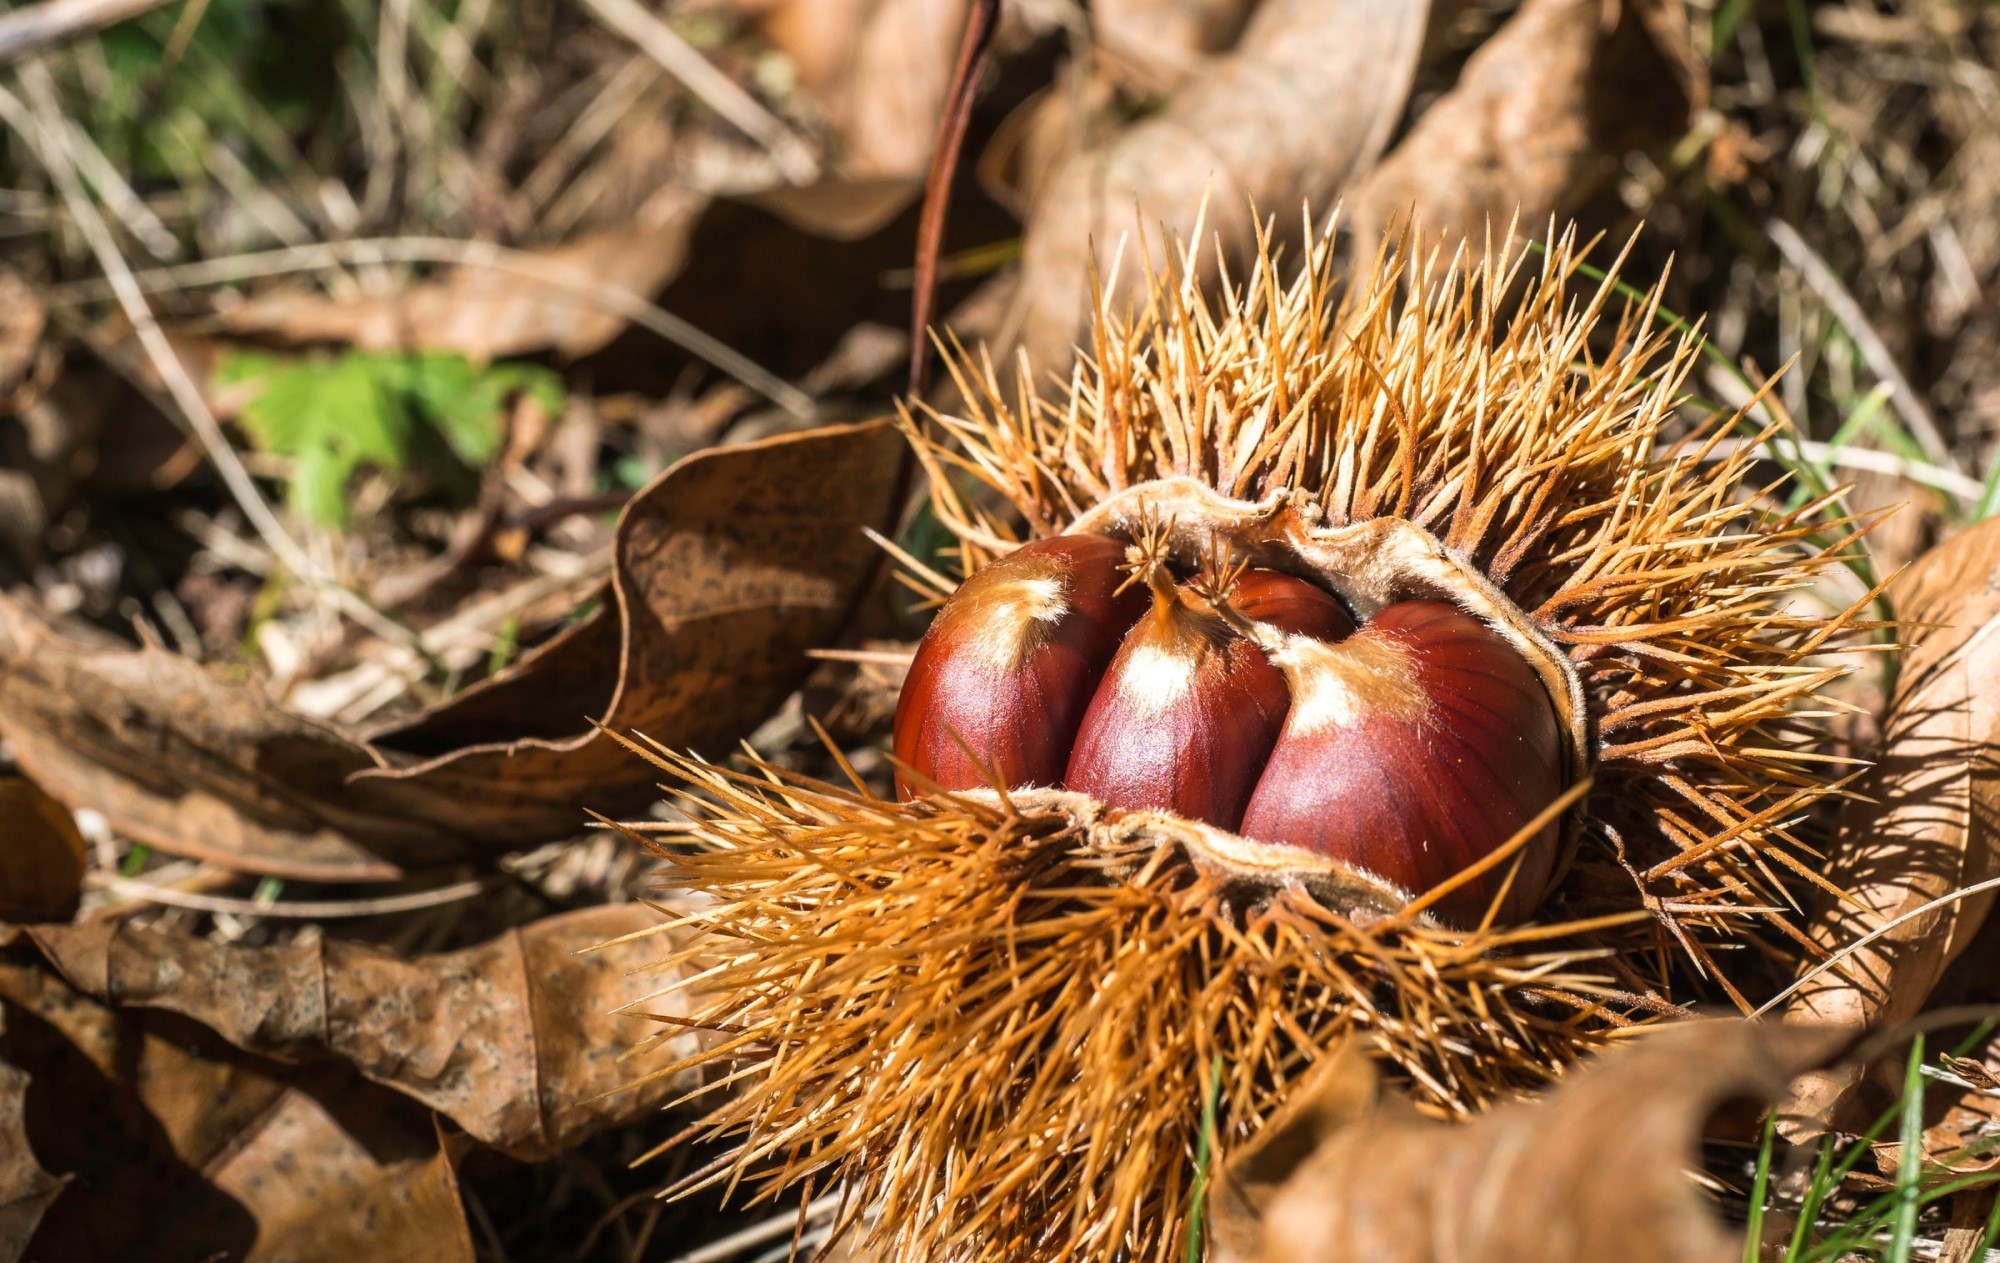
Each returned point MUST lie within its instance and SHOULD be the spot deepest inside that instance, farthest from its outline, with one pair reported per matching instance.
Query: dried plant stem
(329, 255)
(293, 909)
(1866, 459)
(42, 130)
(769, 1230)
(1848, 949)
(980, 20)
(25, 32)
(1904, 397)
(715, 89)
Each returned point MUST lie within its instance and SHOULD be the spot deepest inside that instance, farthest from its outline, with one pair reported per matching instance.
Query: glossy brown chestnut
(1190, 707)
(1289, 604)
(1412, 750)
(1010, 663)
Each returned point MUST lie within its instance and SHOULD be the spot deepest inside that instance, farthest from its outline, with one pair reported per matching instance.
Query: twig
(980, 21)
(118, 196)
(865, 657)
(25, 32)
(1904, 398)
(718, 91)
(328, 255)
(294, 909)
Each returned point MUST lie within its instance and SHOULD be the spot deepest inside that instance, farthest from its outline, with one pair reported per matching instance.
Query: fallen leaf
(1596, 1169)
(489, 313)
(1542, 118)
(26, 1188)
(175, 1146)
(878, 69)
(514, 1039)
(1166, 41)
(727, 568)
(1305, 102)
(185, 761)
(1922, 821)
(42, 856)
(362, 1184)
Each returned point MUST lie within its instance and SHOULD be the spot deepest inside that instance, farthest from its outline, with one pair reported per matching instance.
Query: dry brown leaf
(179, 758)
(514, 1040)
(489, 313)
(26, 1189)
(344, 1186)
(177, 1147)
(1305, 102)
(879, 70)
(1541, 120)
(1923, 822)
(41, 854)
(727, 568)
(1597, 1169)
(1165, 41)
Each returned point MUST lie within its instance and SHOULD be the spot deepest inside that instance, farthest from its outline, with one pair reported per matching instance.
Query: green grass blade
(1760, 1187)
(1909, 1194)
(1204, 1154)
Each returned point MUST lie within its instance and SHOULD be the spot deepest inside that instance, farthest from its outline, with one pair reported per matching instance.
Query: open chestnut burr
(1379, 662)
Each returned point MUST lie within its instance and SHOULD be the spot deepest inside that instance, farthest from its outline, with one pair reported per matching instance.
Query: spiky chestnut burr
(994, 1015)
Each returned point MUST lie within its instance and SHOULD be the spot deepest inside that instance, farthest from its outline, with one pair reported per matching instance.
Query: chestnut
(1412, 750)
(1190, 707)
(1000, 681)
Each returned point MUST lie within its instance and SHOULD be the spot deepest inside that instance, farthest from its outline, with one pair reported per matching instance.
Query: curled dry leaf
(41, 855)
(179, 758)
(172, 1145)
(1305, 101)
(1541, 119)
(1597, 1169)
(26, 1188)
(514, 1040)
(1922, 822)
(727, 568)
(878, 69)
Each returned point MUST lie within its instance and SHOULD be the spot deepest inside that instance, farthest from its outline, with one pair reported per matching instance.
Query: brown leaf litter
(1595, 1169)
(1922, 822)
(878, 70)
(488, 313)
(42, 857)
(517, 1039)
(727, 569)
(1305, 101)
(1540, 120)
(168, 1144)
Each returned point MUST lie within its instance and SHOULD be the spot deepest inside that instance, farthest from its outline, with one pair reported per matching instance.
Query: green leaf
(330, 417)
(334, 414)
